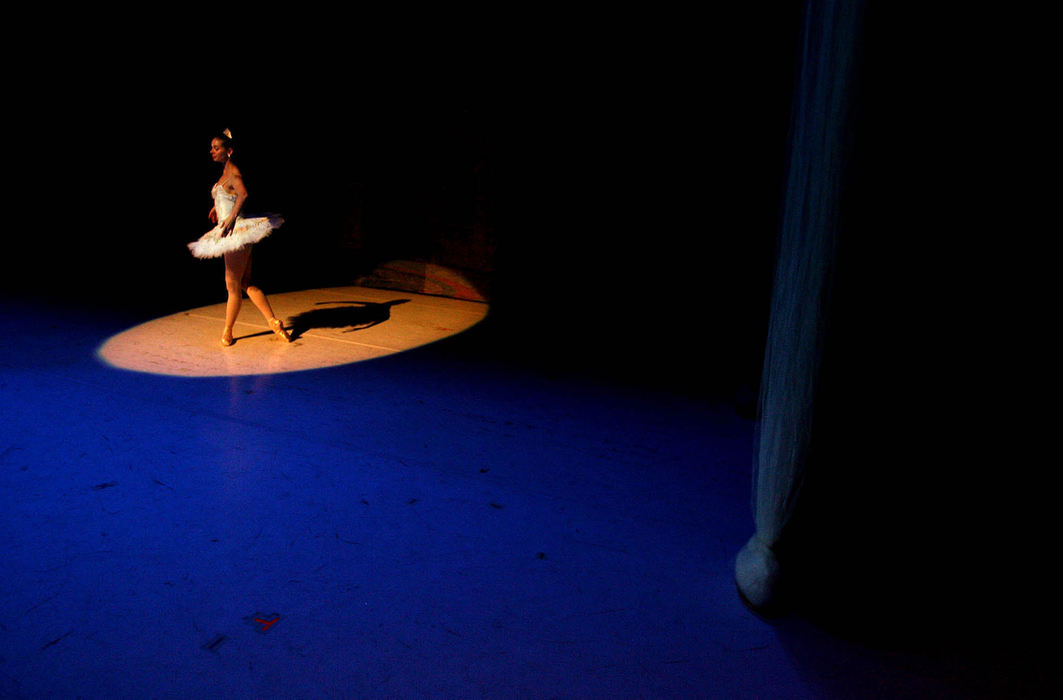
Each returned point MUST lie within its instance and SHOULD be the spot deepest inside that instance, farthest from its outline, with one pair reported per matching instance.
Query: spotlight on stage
(331, 327)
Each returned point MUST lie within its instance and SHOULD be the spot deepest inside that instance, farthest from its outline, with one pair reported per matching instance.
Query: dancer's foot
(277, 327)
(227, 337)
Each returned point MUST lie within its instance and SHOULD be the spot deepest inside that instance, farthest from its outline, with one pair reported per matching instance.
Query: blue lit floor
(435, 523)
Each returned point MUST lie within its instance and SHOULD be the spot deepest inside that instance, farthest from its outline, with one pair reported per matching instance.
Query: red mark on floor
(266, 624)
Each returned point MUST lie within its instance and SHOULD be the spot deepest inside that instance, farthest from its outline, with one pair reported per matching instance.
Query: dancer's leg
(256, 295)
(258, 298)
(235, 266)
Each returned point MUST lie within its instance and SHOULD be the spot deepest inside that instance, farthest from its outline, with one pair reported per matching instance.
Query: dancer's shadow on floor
(349, 315)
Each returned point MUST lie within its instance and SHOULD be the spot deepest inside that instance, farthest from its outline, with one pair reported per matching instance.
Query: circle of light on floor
(331, 327)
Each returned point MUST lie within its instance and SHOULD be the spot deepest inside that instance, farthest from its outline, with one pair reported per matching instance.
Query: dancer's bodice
(223, 201)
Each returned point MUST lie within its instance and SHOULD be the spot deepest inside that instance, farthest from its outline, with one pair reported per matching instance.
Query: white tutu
(247, 231)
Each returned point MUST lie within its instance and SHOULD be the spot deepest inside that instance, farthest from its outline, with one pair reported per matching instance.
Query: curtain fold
(802, 286)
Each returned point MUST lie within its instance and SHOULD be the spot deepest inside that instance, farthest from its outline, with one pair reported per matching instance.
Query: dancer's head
(221, 146)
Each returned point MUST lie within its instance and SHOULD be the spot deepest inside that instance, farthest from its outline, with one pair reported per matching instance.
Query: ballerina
(232, 237)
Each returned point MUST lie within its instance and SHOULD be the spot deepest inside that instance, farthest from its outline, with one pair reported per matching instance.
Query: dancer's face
(218, 152)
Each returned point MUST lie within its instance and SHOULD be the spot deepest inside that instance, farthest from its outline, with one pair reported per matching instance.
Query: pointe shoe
(227, 337)
(277, 327)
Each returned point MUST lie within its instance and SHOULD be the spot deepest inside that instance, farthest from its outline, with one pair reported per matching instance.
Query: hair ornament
(228, 134)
